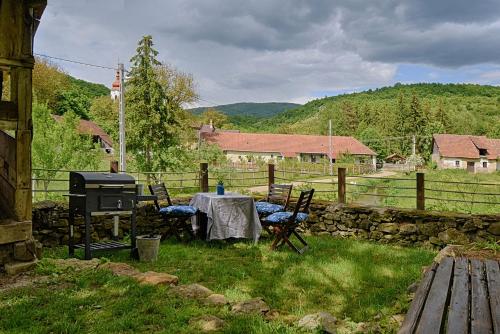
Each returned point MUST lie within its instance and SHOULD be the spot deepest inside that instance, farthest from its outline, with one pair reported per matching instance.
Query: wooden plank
(433, 313)
(411, 318)
(493, 277)
(458, 314)
(480, 308)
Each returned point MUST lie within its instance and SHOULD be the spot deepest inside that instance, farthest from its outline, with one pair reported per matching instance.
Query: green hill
(250, 109)
(385, 118)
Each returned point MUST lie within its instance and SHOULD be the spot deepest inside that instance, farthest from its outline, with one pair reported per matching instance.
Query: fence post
(341, 185)
(204, 177)
(420, 191)
(113, 166)
(270, 173)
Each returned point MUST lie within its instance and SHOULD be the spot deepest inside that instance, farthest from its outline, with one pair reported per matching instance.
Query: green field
(355, 281)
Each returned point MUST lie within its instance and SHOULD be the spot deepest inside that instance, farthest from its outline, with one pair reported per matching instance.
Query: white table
(230, 215)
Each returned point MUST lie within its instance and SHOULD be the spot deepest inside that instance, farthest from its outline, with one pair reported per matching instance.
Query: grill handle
(104, 186)
(75, 195)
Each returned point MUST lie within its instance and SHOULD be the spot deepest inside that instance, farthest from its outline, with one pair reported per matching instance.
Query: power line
(75, 61)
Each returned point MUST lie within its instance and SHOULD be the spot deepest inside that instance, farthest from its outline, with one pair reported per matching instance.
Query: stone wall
(18, 249)
(385, 225)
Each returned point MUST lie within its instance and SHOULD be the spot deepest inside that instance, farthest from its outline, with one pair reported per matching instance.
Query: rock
(207, 323)
(194, 291)
(21, 252)
(322, 321)
(376, 235)
(388, 227)
(216, 299)
(494, 228)
(254, 305)
(406, 229)
(120, 269)
(154, 278)
(413, 287)
(15, 268)
(448, 251)
(435, 241)
(428, 229)
(272, 315)
(75, 264)
(451, 235)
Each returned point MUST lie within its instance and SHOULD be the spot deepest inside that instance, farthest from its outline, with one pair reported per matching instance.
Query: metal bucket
(148, 246)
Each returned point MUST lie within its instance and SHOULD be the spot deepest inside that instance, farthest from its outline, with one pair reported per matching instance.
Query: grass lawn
(350, 279)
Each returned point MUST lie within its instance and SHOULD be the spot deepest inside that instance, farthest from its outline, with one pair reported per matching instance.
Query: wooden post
(270, 174)
(420, 191)
(204, 177)
(341, 185)
(113, 166)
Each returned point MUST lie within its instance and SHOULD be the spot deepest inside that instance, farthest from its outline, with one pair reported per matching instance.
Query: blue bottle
(220, 189)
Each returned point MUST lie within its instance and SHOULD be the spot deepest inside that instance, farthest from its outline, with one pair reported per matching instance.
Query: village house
(474, 153)
(243, 147)
(99, 136)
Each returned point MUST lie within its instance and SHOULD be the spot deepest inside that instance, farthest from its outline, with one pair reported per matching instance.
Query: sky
(281, 50)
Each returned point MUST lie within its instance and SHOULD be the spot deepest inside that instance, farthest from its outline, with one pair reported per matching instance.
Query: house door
(470, 166)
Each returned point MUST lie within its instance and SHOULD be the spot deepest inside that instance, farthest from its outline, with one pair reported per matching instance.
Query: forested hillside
(376, 116)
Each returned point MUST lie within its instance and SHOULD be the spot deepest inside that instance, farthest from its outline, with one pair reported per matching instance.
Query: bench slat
(432, 317)
(458, 314)
(480, 309)
(493, 276)
(411, 318)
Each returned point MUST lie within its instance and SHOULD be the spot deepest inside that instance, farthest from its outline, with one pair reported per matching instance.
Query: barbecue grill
(101, 194)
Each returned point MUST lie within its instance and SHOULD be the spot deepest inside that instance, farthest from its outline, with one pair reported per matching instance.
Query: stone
(194, 291)
(406, 229)
(272, 315)
(75, 264)
(451, 235)
(254, 305)
(428, 229)
(216, 299)
(154, 278)
(120, 269)
(448, 251)
(435, 241)
(494, 228)
(207, 323)
(388, 227)
(14, 268)
(321, 321)
(21, 252)
(12, 231)
(413, 287)
(376, 235)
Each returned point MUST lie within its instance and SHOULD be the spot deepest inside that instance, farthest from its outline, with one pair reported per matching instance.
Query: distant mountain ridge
(252, 109)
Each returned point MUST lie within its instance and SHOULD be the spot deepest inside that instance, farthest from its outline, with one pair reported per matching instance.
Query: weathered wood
(204, 177)
(270, 174)
(420, 192)
(493, 277)
(431, 320)
(480, 308)
(458, 313)
(341, 185)
(411, 320)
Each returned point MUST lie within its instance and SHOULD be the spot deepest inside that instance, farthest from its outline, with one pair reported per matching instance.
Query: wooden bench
(459, 295)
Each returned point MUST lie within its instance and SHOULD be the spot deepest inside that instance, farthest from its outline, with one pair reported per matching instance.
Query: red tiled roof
(465, 146)
(90, 128)
(286, 145)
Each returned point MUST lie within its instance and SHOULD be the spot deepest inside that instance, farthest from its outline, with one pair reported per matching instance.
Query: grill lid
(105, 178)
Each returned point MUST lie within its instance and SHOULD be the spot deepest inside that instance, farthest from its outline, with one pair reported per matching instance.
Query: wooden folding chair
(277, 200)
(176, 217)
(285, 223)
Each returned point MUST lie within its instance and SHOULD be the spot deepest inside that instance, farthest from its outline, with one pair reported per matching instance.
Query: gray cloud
(275, 49)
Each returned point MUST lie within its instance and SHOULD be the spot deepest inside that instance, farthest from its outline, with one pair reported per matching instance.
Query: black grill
(97, 194)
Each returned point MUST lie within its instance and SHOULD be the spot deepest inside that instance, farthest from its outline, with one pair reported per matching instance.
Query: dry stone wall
(384, 225)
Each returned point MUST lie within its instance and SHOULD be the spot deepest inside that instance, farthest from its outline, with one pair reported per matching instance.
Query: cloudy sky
(282, 50)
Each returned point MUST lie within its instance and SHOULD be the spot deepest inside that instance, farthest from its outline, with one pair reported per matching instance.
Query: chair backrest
(279, 193)
(303, 203)
(161, 192)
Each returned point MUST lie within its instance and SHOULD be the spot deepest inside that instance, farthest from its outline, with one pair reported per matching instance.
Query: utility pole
(414, 148)
(330, 146)
(123, 163)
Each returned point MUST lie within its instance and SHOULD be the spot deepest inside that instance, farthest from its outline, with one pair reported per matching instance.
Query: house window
(485, 164)
(483, 151)
(457, 163)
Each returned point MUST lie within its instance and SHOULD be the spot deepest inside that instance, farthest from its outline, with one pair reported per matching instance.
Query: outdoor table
(230, 215)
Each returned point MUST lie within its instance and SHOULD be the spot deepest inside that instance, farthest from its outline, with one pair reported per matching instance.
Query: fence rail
(343, 186)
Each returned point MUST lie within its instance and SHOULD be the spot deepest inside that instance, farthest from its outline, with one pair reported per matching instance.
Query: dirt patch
(8, 282)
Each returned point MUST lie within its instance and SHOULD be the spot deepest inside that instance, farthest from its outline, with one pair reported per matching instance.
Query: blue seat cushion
(283, 217)
(178, 210)
(266, 208)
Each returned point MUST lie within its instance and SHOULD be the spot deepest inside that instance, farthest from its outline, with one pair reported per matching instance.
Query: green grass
(350, 279)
